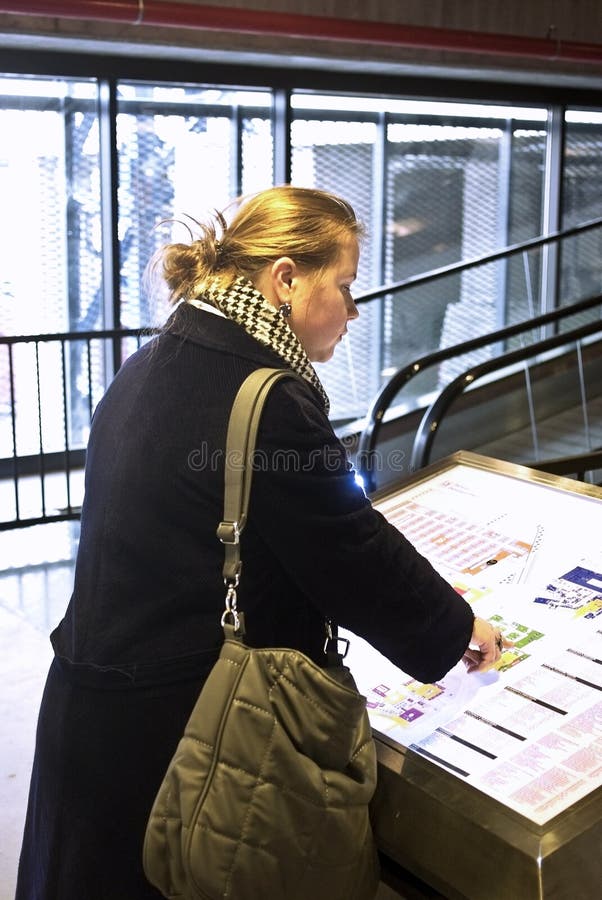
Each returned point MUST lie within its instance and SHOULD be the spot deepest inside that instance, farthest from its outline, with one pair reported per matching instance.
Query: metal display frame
(454, 836)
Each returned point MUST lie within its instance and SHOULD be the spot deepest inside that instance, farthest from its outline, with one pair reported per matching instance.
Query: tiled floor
(24, 657)
(36, 577)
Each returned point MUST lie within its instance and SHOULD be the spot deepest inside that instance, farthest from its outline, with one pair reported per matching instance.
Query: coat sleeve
(349, 561)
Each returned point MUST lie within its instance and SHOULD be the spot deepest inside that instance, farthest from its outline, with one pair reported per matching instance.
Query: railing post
(281, 124)
(111, 267)
(552, 209)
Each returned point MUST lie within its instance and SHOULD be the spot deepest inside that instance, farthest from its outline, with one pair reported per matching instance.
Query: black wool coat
(142, 628)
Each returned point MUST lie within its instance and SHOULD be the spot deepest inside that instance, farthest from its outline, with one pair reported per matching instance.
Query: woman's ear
(276, 280)
(282, 273)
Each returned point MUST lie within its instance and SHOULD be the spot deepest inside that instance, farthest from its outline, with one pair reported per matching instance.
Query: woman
(142, 628)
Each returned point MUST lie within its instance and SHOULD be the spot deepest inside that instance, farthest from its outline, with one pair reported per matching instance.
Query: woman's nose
(352, 311)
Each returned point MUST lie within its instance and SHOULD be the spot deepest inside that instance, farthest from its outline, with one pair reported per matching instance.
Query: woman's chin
(323, 355)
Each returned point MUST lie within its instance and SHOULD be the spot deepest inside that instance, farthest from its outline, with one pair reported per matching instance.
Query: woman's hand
(485, 648)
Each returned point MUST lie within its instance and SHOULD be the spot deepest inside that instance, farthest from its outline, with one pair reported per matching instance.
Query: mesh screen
(338, 156)
(451, 190)
(582, 168)
(257, 154)
(51, 239)
(580, 256)
(522, 273)
(179, 152)
(51, 249)
(443, 207)
(456, 192)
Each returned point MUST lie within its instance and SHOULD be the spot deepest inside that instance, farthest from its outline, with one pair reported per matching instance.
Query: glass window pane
(51, 250)
(340, 155)
(458, 187)
(436, 184)
(183, 151)
(581, 255)
(49, 180)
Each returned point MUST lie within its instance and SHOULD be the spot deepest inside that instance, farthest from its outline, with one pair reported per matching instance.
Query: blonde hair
(310, 226)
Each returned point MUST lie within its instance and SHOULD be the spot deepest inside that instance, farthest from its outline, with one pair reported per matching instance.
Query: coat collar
(221, 334)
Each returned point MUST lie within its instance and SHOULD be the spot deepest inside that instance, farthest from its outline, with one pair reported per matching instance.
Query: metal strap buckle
(331, 639)
(228, 532)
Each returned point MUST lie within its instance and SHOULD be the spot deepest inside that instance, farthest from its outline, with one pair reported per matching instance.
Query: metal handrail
(465, 265)
(375, 416)
(431, 420)
(42, 463)
(368, 438)
(117, 333)
(577, 464)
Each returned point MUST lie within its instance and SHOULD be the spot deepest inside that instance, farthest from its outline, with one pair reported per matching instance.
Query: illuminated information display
(525, 550)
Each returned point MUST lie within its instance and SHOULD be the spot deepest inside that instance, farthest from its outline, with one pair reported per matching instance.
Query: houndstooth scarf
(246, 306)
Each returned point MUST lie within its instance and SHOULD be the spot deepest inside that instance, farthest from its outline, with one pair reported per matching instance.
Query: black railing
(432, 419)
(466, 265)
(366, 451)
(578, 464)
(75, 380)
(28, 473)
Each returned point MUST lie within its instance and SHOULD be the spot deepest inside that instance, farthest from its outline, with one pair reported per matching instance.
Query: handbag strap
(240, 447)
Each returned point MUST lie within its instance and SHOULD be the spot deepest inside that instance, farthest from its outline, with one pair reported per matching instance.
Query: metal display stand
(453, 835)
